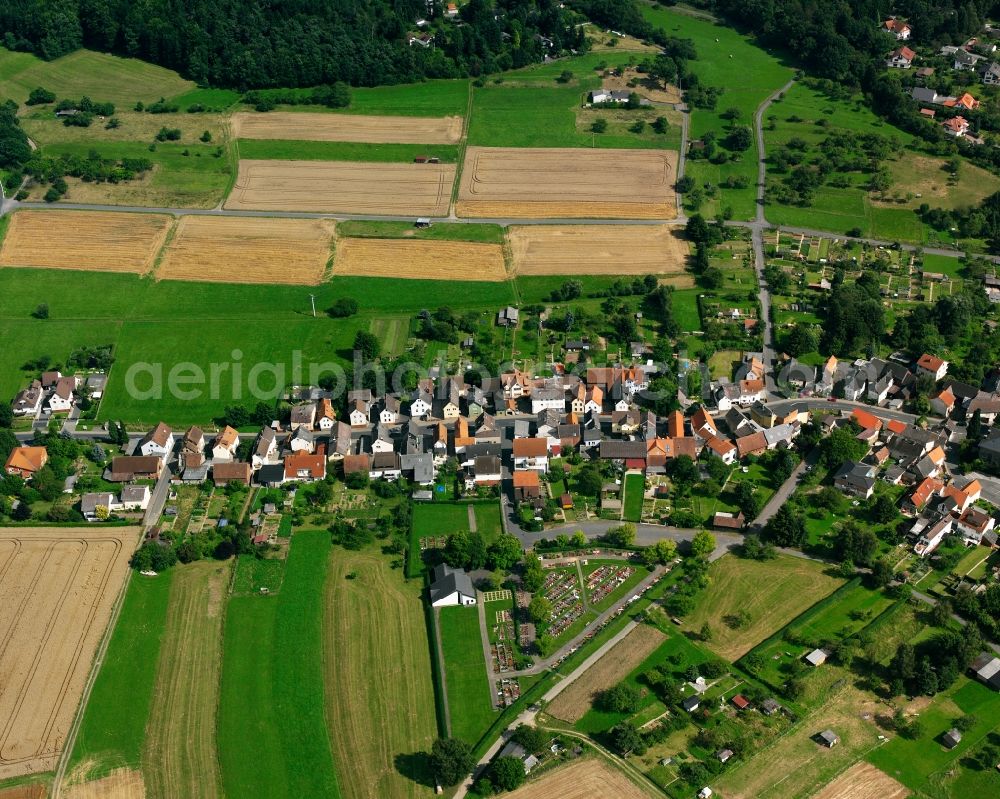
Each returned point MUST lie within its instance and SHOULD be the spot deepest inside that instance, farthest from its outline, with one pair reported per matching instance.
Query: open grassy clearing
(90, 240)
(104, 78)
(58, 589)
(465, 673)
(573, 703)
(432, 98)
(436, 260)
(440, 231)
(388, 188)
(113, 731)
(600, 249)
(439, 520)
(583, 779)
(245, 250)
(925, 765)
(347, 128)
(269, 149)
(795, 766)
(771, 592)
(629, 184)
(180, 756)
(271, 696)
(133, 127)
(168, 322)
(748, 74)
(379, 690)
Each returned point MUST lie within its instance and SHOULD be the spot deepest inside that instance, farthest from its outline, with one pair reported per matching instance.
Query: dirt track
(589, 779)
(343, 186)
(57, 589)
(433, 260)
(863, 781)
(242, 250)
(568, 183)
(599, 250)
(575, 701)
(347, 127)
(98, 241)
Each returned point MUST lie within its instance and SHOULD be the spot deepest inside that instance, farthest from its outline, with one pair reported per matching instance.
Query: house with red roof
(932, 365)
(956, 126)
(897, 28)
(943, 402)
(918, 499)
(868, 421)
(901, 58)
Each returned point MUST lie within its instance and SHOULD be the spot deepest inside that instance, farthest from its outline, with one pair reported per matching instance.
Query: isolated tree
(883, 509)
(367, 344)
(532, 739)
(625, 738)
(540, 609)
(662, 552)
(621, 698)
(748, 500)
(622, 536)
(786, 528)
(504, 552)
(599, 125)
(42, 311)
(451, 759)
(703, 544)
(588, 481)
(740, 139)
(507, 773)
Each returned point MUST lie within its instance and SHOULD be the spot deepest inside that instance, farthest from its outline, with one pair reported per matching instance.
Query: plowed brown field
(589, 779)
(245, 250)
(575, 701)
(428, 260)
(347, 127)
(568, 183)
(93, 240)
(57, 590)
(342, 186)
(599, 249)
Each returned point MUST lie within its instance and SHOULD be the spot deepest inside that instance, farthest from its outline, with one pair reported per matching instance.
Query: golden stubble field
(863, 781)
(427, 260)
(98, 241)
(572, 704)
(600, 250)
(343, 187)
(57, 590)
(248, 250)
(588, 779)
(308, 126)
(553, 183)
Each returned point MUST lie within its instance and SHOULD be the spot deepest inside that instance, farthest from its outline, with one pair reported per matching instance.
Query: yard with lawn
(465, 673)
(748, 600)
(635, 486)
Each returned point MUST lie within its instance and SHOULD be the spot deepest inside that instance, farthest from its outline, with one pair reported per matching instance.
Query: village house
(956, 126)
(126, 468)
(897, 28)
(237, 472)
(527, 485)
(932, 365)
(193, 447)
(943, 402)
(62, 397)
(855, 479)
(158, 442)
(986, 669)
(357, 413)
(531, 453)
(305, 466)
(302, 416)
(265, 449)
(226, 444)
(28, 402)
(901, 58)
(451, 587)
(508, 317)
(25, 462)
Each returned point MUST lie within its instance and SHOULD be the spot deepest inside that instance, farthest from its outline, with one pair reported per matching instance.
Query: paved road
(785, 490)
(158, 499)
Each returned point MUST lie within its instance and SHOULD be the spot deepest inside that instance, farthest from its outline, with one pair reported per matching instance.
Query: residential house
(98, 506)
(341, 443)
(956, 126)
(28, 402)
(547, 398)
(265, 449)
(126, 468)
(303, 416)
(302, 440)
(702, 424)
(943, 402)
(386, 466)
(933, 536)
(418, 467)
(422, 405)
(753, 444)
(508, 317)
(226, 472)
(932, 365)
(973, 525)
(95, 385)
(855, 479)
(827, 376)
(135, 498)
(451, 587)
(763, 415)
(919, 497)
(990, 74)
(226, 444)
(988, 407)
(305, 466)
(357, 464)
(49, 379)
(964, 102)
(897, 28)
(931, 465)
(193, 446)
(531, 453)
(854, 385)
(487, 470)
(962, 59)
(675, 424)
(357, 412)
(25, 462)
(62, 396)
(527, 485)
(627, 422)
(723, 448)
(986, 669)
(743, 393)
(901, 58)
(158, 442)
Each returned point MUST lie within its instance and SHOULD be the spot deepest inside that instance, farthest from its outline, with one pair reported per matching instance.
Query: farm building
(508, 317)
(828, 738)
(952, 738)
(451, 587)
(691, 704)
(986, 667)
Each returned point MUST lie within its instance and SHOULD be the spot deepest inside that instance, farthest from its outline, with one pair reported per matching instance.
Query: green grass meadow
(272, 734)
(113, 731)
(283, 149)
(472, 231)
(634, 486)
(465, 674)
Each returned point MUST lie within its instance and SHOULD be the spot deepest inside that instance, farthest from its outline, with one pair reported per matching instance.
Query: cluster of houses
(56, 393)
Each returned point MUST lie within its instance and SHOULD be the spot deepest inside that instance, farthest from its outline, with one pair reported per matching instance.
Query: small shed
(952, 738)
(691, 704)
(740, 702)
(724, 755)
(828, 738)
(769, 707)
(816, 658)
(422, 222)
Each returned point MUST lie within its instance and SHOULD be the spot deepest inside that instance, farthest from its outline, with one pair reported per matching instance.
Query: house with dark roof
(451, 587)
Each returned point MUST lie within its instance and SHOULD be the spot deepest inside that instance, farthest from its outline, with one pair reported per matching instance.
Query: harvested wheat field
(428, 260)
(57, 590)
(347, 127)
(35, 790)
(568, 183)
(97, 241)
(121, 783)
(599, 250)
(863, 781)
(343, 186)
(586, 779)
(248, 250)
(571, 704)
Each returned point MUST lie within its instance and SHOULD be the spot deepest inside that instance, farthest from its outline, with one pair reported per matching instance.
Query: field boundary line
(161, 253)
(508, 264)
(463, 145)
(95, 669)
